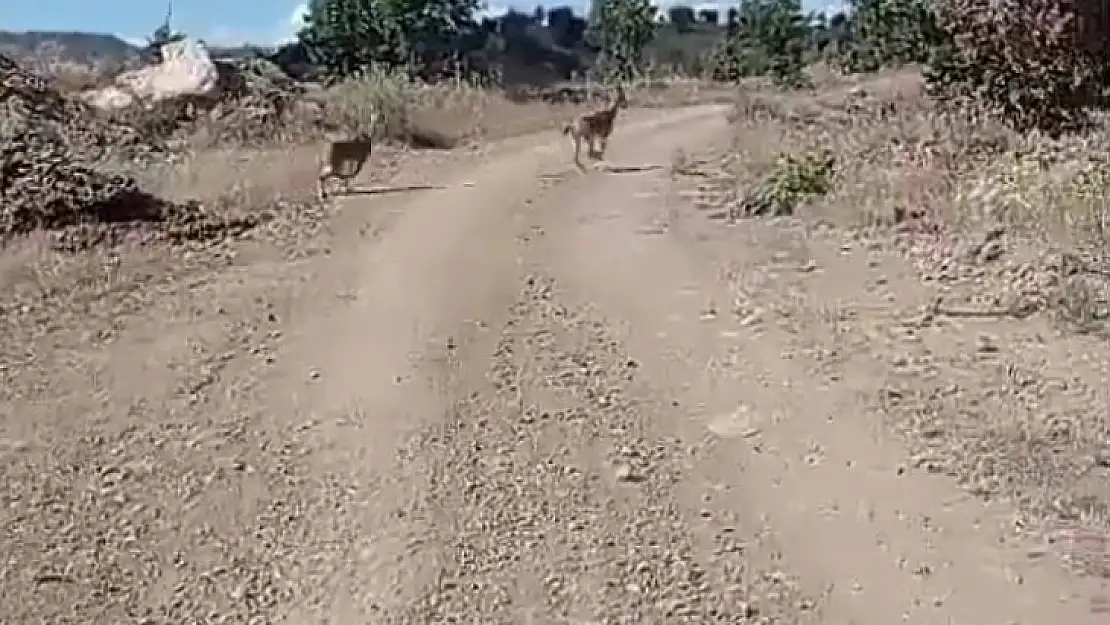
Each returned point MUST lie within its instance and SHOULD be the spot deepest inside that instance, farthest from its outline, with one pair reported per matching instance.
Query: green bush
(793, 180)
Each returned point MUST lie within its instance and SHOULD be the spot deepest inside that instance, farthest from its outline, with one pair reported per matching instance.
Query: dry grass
(447, 114)
(405, 115)
(437, 116)
(71, 76)
(898, 161)
(1002, 386)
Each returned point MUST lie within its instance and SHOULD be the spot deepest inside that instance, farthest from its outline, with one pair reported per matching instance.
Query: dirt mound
(51, 169)
(27, 96)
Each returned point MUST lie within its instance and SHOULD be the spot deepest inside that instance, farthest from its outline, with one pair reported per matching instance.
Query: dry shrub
(71, 77)
(1012, 229)
(900, 160)
(677, 91)
(1055, 190)
(886, 147)
(444, 114)
(1039, 63)
(434, 116)
(894, 153)
(1054, 195)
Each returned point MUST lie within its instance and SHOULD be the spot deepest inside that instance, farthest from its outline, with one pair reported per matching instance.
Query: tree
(682, 17)
(769, 37)
(514, 23)
(161, 36)
(621, 29)
(347, 36)
(429, 27)
(567, 29)
(891, 33)
(1036, 65)
(732, 22)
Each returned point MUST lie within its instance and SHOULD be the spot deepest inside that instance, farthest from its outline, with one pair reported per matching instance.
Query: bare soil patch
(144, 478)
(988, 248)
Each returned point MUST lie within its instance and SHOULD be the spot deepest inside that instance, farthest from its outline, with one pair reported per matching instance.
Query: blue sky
(216, 21)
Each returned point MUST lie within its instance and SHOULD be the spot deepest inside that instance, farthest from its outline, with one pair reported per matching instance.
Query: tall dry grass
(897, 155)
(1008, 230)
(424, 115)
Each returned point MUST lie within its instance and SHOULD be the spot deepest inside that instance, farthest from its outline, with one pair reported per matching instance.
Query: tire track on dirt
(600, 249)
(555, 478)
(411, 335)
(554, 497)
(767, 355)
(213, 460)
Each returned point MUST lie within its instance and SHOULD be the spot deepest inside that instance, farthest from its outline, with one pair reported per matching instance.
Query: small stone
(624, 473)
(986, 344)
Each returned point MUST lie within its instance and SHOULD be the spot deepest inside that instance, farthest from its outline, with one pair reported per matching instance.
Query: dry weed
(899, 161)
(1010, 231)
(430, 116)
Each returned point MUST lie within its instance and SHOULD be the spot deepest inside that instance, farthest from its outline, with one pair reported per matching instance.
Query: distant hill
(90, 48)
(67, 46)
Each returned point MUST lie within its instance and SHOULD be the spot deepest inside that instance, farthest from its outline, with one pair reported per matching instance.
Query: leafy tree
(682, 17)
(1039, 65)
(429, 27)
(514, 22)
(621, 29)
(567, 29)
(348, 36)
(772, 37)
(887, 33)
(732, 22)
(831, 33)
(161, 36)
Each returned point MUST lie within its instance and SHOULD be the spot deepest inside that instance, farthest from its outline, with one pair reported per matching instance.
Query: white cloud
(831, 8)
(295, 22)
(283, 32)
(492, 10)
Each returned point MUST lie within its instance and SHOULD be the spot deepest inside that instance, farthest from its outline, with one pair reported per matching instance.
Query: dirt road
(533, 396)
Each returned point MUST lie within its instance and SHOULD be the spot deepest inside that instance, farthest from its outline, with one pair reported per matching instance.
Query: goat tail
(569, 128)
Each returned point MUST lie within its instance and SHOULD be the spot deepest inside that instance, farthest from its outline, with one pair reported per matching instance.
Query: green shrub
(792, 181)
